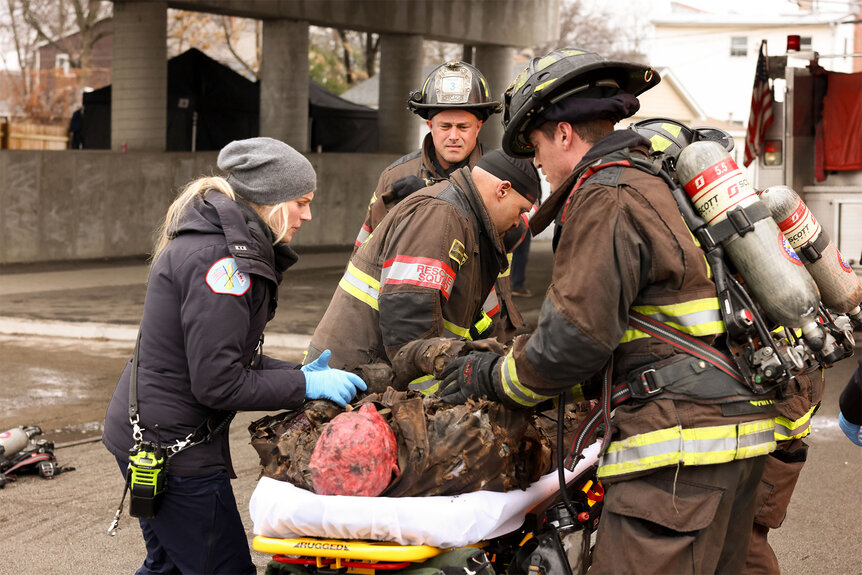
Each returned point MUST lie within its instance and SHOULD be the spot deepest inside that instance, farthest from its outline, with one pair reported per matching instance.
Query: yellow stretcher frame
(345, 549)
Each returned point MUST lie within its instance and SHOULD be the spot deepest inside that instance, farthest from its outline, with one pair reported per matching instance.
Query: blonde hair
(268, 213)
(201, 187)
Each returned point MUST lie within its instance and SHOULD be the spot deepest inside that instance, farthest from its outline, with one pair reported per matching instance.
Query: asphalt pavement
(67, 329)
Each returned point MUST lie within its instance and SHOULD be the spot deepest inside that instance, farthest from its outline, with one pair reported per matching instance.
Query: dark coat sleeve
(218, 334)
(596, 277)
(851, 398)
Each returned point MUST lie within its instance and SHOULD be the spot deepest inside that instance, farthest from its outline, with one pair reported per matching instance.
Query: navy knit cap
(519, 172)
(576, 109)
(266, 171)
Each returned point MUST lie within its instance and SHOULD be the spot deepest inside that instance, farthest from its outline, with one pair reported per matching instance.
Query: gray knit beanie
(265, 171)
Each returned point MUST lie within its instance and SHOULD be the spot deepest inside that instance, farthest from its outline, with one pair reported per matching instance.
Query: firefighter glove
(852, 431)
(323, 382)
(470, 376)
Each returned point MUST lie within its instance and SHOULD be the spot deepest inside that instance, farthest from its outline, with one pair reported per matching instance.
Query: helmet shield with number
(453, 85)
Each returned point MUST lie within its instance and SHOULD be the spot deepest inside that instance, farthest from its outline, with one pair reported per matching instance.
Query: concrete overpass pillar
(496, 63)
(284, 82)
(400, 72)
(139, 76)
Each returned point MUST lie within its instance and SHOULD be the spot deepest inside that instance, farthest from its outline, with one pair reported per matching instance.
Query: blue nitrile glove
(319, 364)
(323, 382)
(853, 432)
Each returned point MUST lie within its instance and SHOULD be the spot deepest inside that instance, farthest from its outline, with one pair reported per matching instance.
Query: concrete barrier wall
(80, 205)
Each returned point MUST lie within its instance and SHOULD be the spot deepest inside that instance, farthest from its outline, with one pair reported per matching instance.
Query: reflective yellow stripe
(695, 446)
(515, 391)
(544, 85)
(360, 285)
(632, 334)
(793, 429)
(456, 330)
(508, 271)
(426, 385)
(698, 318)
(483, 324)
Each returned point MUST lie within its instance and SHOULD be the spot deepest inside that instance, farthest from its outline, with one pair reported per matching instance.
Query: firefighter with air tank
(686, 447)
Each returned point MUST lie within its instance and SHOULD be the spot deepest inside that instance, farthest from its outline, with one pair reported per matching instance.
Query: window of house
(805, 43)
(62, 62)
(738, 46)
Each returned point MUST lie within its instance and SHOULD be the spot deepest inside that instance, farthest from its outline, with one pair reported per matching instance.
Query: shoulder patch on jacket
(224, 277)
(404, 159)
(458, 253)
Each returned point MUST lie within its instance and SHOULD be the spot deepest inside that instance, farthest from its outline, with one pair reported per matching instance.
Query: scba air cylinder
(840, 289)
(772, 270)
(12, 441)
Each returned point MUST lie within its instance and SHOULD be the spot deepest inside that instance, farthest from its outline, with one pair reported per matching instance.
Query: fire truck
(795, 145)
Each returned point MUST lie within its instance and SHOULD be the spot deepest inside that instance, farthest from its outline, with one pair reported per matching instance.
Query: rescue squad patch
(224, 277)
(424, 272)
(458, 253)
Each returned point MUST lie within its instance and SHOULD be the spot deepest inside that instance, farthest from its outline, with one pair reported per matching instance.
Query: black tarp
(227, 106)
(338, 125)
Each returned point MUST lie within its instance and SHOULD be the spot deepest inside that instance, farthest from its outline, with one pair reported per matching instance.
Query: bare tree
(617, 38)
(23, 39)
(223, 38)
(233, 29)
(29, 87)
(70, 26)
(372, 48)
(340, 59)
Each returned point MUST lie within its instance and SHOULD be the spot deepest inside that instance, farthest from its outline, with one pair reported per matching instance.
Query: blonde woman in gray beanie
(218, 260)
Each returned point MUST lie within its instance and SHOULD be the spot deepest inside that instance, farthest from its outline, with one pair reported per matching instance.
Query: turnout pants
(773, 496)
(679, 520)
(198, 529)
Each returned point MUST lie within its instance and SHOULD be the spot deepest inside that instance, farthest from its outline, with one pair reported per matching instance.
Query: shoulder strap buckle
(645, 385)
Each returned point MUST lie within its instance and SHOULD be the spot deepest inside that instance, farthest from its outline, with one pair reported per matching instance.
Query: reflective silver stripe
(691, 446)
(757, 438)
(491, 306)
(358, 282)
(364, 234)
(689, 319)
(783, 432)
(513, 388)
(791, 429)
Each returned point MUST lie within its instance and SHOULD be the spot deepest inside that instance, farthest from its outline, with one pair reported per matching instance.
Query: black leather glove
(469, 376)
(406, 186)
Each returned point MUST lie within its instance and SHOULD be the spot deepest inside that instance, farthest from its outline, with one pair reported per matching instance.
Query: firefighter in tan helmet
(454, 100)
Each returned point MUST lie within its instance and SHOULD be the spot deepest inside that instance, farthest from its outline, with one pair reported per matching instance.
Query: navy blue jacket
(210, 294)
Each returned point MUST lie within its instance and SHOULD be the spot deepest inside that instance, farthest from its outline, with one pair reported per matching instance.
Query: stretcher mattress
(281, 510)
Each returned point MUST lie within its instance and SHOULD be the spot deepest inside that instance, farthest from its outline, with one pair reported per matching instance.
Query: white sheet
(281, 510)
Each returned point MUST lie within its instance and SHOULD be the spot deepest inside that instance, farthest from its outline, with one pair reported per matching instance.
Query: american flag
(760, 116)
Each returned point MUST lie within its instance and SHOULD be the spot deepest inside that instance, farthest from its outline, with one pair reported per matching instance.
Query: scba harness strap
(682, 376)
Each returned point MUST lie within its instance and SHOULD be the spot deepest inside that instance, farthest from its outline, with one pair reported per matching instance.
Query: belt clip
(648, 388)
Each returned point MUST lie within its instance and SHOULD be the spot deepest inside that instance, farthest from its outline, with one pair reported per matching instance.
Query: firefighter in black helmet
(454, 101)
(630, 307)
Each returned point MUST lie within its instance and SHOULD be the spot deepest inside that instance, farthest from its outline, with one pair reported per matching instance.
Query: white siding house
(714, 55)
